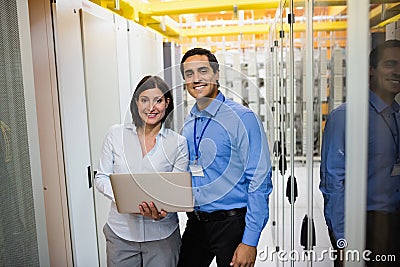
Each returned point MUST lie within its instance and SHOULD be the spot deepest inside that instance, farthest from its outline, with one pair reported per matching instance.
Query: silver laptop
(171, 191)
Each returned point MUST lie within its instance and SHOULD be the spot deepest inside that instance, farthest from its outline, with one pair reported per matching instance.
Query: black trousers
(382, 239)
(202, 241)
(338, 262)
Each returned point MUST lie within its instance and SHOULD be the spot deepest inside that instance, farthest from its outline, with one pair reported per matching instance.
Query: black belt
(384, 214)
(218, 215)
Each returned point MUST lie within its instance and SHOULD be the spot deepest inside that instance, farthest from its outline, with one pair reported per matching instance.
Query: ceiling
(247, 20)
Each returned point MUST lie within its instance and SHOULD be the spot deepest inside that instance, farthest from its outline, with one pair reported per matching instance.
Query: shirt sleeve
(106, 167)
(254, 150)
(332, 172)
(182, 159)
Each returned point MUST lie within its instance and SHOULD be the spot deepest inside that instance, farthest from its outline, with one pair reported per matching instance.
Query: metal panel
(145, 53)
(74, 126)
(124, 83)
(172, 75)
(102, 96)
(356, 127)
(23, 237)
(52, 161)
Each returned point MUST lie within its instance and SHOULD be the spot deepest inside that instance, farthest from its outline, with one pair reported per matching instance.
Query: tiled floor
(267, 257)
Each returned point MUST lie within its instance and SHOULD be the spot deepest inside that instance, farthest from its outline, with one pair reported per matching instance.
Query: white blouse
(121, 153)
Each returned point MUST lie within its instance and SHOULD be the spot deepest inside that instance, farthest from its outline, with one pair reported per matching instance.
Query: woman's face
(152, 105)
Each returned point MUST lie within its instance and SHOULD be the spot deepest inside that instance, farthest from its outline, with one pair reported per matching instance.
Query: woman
(147, 145)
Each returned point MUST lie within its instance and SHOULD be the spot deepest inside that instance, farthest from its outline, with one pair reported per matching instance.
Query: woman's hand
(151, 211)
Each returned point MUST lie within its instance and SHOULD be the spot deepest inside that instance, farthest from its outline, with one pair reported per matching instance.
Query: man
(231, 170)
(383, 185)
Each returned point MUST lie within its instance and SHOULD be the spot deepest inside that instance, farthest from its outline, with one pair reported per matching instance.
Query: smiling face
(200, 79)
(152, 105)
(385, 78)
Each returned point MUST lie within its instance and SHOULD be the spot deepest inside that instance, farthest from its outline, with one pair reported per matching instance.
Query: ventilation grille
(18, 239)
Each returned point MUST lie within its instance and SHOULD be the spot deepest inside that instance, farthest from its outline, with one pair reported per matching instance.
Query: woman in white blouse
(146, 145)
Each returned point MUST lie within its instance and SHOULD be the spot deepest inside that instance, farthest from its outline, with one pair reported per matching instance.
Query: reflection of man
(383, 194)
(231, 170)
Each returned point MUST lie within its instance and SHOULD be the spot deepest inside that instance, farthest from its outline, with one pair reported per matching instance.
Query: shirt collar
(380, 105)
(396, 106)
(211, 109)
(162, 132)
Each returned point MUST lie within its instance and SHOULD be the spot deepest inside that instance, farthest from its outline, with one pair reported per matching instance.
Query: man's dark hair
(150, 82)
(200, 51)
(377, 52)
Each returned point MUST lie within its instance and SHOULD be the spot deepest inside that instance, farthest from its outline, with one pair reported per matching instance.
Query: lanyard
(393, 134)
(196, 145)
(397, 129)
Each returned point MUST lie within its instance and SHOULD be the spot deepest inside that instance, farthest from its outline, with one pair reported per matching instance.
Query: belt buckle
(201, 216)
(197, 215)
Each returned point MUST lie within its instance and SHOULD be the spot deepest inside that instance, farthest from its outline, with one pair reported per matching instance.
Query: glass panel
(383, 175)
(329, 90)
(383, 198)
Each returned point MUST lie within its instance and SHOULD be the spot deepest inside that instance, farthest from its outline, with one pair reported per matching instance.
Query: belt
(218, 215)
(384, 214)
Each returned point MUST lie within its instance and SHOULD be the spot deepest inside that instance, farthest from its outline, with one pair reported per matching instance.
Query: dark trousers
(338, 262)
(382, 239)
(202, 241)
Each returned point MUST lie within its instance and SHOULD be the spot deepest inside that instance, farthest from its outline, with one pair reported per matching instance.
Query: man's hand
(150, 210)
(244, 256)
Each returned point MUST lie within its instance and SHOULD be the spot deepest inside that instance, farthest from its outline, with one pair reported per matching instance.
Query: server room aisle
(266, 247)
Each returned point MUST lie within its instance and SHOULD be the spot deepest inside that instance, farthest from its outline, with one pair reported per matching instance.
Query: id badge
(396, 170)
(196, 170)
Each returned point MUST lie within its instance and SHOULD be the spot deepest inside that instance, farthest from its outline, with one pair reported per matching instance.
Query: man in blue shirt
(383, 185)
(231, 170)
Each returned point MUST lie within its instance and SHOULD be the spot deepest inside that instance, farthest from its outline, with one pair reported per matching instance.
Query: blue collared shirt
(234, 155)
(383, 189)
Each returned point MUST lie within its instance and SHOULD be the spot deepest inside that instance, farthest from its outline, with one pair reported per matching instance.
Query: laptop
(171, 191)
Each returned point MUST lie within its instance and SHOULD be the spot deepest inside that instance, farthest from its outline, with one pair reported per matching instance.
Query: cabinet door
(102, 97)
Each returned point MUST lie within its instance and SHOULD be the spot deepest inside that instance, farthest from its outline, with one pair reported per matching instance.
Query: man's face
(201, 81)
(385, 78)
